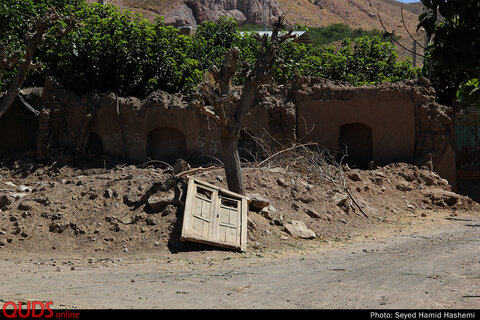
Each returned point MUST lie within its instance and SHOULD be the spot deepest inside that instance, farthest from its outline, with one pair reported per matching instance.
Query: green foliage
(362, 61)
(122, 52)
(15, 23)
(338, 31)
(325, 35)
(453, 55)
(469, 92)
(212, 40)
(113, 50)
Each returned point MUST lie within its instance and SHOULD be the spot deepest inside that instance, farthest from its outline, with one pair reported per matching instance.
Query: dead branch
(283, 151)
(314, 163)
(395, 40)
(150, 162)
(200, 169)
(36, 36)
(406, 29)
(356, 203)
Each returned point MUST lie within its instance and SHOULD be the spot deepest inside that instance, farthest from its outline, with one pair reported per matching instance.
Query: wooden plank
(186, 227)
(243, 225)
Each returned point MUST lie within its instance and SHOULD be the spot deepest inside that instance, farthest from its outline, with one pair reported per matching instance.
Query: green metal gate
(467, 150)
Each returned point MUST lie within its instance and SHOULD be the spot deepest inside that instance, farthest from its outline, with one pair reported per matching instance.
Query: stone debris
(158, 202)
(257, 202)
(142, 208)
(298, 229)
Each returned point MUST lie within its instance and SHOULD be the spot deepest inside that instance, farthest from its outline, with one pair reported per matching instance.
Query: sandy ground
(431, 264)
(87, 237)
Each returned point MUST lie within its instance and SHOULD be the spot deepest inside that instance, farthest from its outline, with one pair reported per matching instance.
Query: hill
(364, 14)
(368, 15)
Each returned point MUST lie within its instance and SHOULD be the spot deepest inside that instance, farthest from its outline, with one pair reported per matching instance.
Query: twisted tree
(216, 98)
(39, 26)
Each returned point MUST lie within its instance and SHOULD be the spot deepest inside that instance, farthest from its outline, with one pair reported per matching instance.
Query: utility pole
(264, 15)
(414, 62)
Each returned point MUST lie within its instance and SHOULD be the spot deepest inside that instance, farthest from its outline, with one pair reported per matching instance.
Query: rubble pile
(133, 209)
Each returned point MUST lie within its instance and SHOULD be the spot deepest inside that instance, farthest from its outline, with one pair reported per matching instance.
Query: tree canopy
(119, 51)
(453, 58)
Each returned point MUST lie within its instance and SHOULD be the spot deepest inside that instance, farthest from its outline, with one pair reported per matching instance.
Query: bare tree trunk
(230, 137)
(232, 166)
(15, 86)
(211, 100)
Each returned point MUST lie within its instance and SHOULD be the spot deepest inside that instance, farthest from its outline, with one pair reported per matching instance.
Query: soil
(84, 218)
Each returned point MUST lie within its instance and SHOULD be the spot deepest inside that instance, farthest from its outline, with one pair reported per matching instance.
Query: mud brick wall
(385, 123)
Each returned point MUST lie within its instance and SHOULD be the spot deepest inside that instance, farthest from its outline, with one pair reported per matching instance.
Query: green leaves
(362, 61)
(113, 50)
(469, 92)
(453, 54)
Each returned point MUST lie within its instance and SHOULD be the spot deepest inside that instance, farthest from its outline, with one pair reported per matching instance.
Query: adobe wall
(403, 121)
(407, 125)
(389, 113)
(123, 124)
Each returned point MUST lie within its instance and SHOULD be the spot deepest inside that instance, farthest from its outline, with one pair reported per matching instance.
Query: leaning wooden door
(215, 216)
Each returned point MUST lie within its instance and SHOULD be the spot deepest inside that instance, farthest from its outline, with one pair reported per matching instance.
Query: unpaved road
(437, 267)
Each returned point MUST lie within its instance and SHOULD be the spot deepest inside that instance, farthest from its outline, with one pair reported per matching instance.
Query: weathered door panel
(202, 214)
(229, 220)
(215, 216)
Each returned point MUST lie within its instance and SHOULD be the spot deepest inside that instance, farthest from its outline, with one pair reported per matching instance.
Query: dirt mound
(65, 209)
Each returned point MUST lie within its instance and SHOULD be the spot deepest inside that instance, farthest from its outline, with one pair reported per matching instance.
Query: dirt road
(436, 267)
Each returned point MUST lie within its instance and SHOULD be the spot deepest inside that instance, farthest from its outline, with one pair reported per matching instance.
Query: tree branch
(36, 36)
(394, 40)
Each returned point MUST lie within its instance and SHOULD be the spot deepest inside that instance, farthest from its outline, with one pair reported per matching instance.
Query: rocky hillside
(314, 13)
(365, 14)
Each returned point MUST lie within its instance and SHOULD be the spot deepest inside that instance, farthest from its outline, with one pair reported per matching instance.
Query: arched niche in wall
(247, 146)
(166, 144)
(356, 140)
(95, 145)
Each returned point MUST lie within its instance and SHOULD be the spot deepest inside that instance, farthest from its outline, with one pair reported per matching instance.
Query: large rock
(404, 186)
(4, 202)
(299, 229)
(180, 166)
(26, 205)
(158, 202)
(191, 12)
(340, 199)
(130, 198)
(257, 202)
(271, 213)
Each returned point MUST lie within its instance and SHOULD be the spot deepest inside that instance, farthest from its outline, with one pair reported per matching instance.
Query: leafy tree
(454, 51)
(19, 55)
(124, 53)
(361, 61)
(469, 92)
(18, 18)
(113, 50)
(338, 32)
